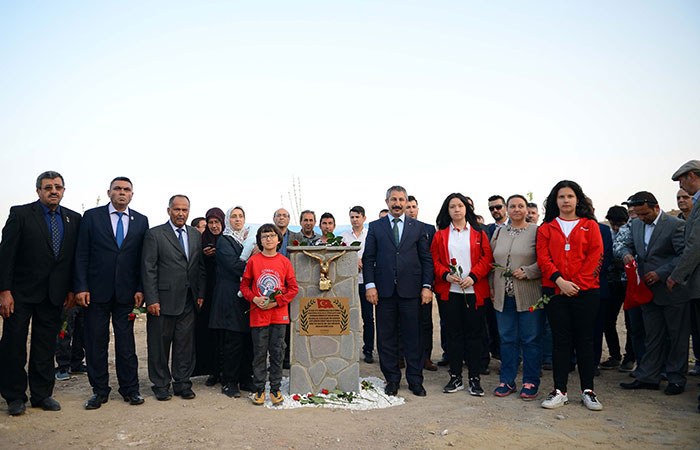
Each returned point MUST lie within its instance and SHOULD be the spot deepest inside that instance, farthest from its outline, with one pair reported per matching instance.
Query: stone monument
(326, 335)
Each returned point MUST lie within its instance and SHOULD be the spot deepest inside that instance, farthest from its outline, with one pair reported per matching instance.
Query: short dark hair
(383, 211)
(412, 199)
(493, 198)
(170, 202)
(120, 179)
(617, 214)
(532, 205)
(49, 175)
(443, 219)
(522, 197)
(358, 209)
(267, 228)
(195, 221)
(327, 215)
(306, 211)
(583, 206)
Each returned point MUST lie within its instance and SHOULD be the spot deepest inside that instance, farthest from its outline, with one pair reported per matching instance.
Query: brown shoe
(429, 365)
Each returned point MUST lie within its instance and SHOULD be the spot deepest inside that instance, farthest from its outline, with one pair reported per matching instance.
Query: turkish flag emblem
(324, 303)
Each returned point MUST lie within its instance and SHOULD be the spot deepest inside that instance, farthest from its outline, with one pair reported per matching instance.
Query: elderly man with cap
(657, 241)
(686, 272)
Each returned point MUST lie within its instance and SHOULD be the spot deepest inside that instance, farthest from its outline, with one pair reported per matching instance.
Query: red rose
(364, 387)
(295, 242)
(344, 244)
(62, 334)
(296, 398)
(132, 316)
(324, 391)
(532, 308)
(453, 261)
(310, 395)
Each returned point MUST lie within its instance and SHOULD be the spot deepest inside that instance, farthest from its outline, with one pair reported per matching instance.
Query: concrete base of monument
(370, 398)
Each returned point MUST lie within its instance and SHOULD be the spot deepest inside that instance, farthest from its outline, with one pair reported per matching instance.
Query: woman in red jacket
(462, 260)
(570, 253)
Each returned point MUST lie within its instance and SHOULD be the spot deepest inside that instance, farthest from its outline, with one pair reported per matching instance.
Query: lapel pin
(132, 217)
(67, 219)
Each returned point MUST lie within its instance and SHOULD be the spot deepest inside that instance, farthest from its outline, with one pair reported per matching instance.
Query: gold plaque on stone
(324, 316)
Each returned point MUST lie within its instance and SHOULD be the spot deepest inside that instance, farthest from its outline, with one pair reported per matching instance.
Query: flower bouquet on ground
(506, 272)
(539, 304)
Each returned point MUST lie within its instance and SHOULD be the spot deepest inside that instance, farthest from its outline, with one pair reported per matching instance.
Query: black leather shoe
(96, 401)
(368, 358)
(211, 380)
(162, 395)
(674, 389)
(16, 408)
(392, 388)
(443, 362)
(187, 394)
(231, 390)
(134, 398)
(636, 384)
(417, 389)
(47, 404)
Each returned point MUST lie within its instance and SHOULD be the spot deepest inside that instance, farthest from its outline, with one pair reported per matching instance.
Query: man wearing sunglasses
(497, 208)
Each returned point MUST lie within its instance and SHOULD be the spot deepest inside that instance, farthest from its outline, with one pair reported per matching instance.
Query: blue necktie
(55, 234)
(120, 229)
(396, 221)
(182, 240)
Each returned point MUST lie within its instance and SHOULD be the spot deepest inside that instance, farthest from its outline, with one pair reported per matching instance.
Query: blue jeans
(520, 331)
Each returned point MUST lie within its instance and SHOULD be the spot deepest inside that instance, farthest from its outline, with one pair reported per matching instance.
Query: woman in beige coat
(515, 284)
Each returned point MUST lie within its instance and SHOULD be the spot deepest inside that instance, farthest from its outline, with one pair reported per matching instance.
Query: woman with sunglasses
(569, 254)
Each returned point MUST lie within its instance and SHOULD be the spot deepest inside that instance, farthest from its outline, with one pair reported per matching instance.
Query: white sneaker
(589, 399)
(555, 399)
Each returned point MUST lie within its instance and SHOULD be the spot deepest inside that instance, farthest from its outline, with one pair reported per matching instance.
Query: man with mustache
(398, 271)
(36, 277)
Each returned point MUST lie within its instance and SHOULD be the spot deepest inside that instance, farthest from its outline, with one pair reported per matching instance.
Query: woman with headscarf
(228, 315)
(207, 359)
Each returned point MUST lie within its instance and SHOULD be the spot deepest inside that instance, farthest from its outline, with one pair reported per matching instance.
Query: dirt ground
(639, 420)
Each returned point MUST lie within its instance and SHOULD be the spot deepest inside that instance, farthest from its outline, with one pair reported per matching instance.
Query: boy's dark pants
(269, 339)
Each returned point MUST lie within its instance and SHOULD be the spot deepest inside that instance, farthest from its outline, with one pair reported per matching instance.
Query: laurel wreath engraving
(303, 316)
(343, 315)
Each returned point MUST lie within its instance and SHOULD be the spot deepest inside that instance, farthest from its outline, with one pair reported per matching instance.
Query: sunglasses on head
(640, 203)
(491, 208)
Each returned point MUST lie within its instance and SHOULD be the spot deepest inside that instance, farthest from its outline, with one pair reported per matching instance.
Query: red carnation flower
(453, 261)
(62, 334)
(324, 391)
(132, 316)
(296, 398)
(295, 242)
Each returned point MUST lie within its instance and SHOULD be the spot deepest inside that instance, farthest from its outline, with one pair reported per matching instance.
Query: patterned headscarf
(238, 236)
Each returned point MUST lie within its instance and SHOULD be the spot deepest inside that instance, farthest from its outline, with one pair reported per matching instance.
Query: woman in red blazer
(570, 254)
(462, 260)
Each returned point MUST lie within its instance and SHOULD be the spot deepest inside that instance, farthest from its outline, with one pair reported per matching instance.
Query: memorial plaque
(325, 316)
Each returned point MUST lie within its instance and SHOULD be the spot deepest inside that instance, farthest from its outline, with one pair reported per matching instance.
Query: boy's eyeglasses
(267, 236)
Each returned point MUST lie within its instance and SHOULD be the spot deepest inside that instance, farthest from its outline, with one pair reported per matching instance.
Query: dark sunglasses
(499, 207)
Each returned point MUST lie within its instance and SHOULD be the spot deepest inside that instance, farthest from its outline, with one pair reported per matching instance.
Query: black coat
(227, 309)
(27, 264)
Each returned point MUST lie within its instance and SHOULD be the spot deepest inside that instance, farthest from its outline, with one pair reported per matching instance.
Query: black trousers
(237, 356)
(612, 310)
(46, 321)
(97, 316)
(572, 320)
(426, 315)
(177, 332)
(367, 310)
(465, 325)
(70, 349)
(206, 341)
(390, 312)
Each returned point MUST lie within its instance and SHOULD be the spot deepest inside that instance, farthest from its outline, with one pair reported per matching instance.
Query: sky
(228, 102)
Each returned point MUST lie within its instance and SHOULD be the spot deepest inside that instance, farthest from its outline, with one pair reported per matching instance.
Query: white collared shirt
(460, 249)
(400, 224)
(649, 230)
(349, 237)
(114, 218)
(185, 239)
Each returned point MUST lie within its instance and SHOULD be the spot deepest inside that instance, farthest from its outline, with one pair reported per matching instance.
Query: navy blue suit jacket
(102, 268)
(407, 267)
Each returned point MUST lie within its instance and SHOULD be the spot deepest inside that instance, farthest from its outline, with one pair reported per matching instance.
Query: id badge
(567, 247)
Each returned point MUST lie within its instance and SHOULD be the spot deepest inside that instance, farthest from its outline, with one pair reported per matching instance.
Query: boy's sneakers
(258, 398)
(528, 392)
(454, 385)
(555, 399)
(62, 375)
(504, 390)
(475, 387)
(626, 366)
(590, 400)
(276, 397)
(611, 363)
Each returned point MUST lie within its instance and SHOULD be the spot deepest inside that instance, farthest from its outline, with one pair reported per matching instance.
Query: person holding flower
(570, 254)
(462, 261)
(516, 287)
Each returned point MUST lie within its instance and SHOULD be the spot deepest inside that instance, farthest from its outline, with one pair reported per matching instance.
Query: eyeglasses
(498, 207)
(267, 236)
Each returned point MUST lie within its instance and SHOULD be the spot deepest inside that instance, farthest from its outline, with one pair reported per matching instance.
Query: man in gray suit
(657, 240)
(173, 277)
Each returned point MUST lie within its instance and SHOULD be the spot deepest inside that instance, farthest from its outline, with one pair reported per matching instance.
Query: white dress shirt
(349, 237)
(649, 229)
(459, 248)
(114, 218)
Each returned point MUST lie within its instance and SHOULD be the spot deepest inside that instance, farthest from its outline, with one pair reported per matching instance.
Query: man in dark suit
(108, 283)
(36, 274)
(398, 272)
(657, 240)
(174, 279)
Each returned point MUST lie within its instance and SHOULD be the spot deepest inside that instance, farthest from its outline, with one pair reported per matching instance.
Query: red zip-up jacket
(582, 261)
(481, 256)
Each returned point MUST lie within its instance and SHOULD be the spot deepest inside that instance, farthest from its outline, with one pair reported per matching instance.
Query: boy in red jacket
(269, 284)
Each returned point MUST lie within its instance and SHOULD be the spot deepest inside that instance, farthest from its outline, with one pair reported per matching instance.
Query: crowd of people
(216, 292)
